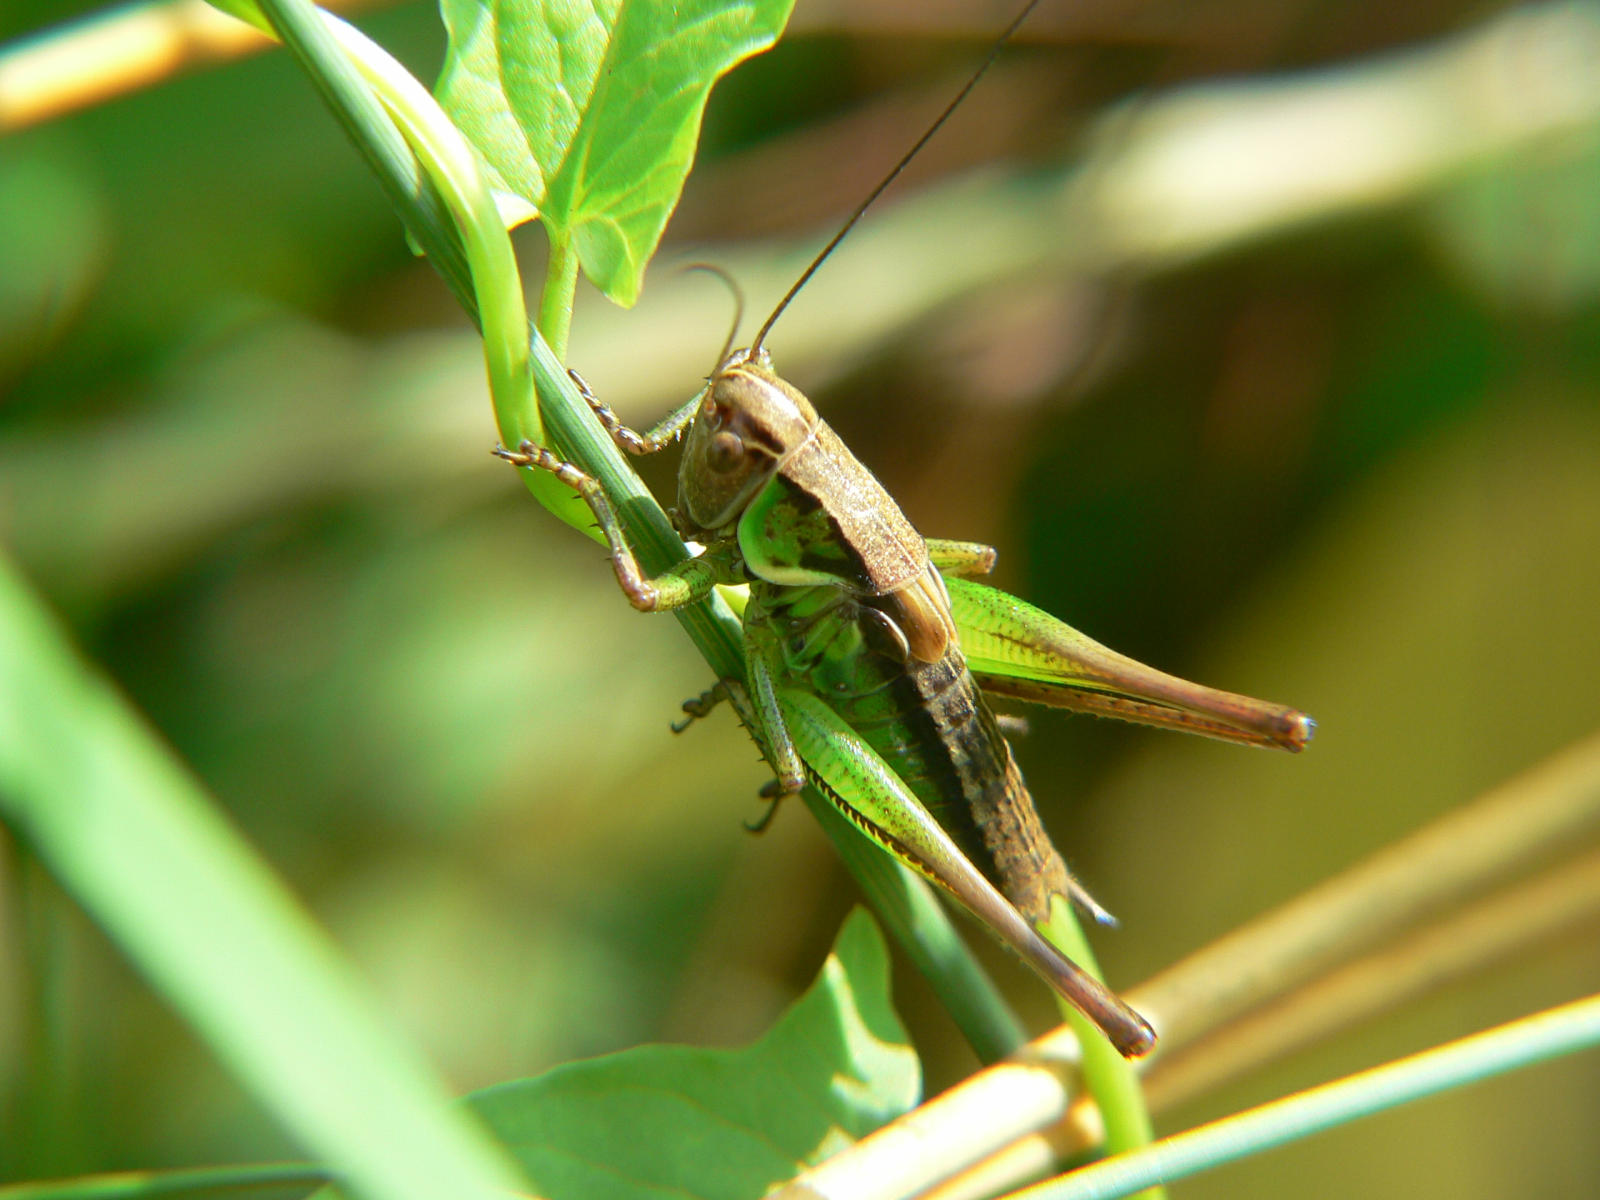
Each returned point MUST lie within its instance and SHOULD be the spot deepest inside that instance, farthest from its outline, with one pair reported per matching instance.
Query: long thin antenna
(883, 184)
(738, 306)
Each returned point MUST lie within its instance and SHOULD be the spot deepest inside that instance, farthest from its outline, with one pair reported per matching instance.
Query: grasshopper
(868, 650)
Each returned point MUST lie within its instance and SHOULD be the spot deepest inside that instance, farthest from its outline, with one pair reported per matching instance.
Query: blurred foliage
(721, 1122)
(1350, 465)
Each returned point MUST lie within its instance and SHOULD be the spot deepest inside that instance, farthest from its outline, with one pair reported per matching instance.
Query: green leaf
(723, 1124)
(247, 12)
(588, 114)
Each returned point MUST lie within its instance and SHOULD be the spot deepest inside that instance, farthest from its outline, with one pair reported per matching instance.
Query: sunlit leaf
(721, 1124)
(246, 11)
(588, 115)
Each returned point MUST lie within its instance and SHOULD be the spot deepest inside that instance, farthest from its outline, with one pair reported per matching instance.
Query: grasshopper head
(749, 421)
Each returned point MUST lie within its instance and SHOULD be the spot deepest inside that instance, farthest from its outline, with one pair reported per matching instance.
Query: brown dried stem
(1324, 961)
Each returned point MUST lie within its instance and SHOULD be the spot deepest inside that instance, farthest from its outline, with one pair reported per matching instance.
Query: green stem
(491, 262)
(1564, 1030)
(147, 1185)
(496, 283)
(1109, 1077)
(560, 289)
(300, 26)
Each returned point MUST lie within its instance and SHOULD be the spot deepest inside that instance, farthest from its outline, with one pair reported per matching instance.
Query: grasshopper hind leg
(964, 560)
(1088, 905)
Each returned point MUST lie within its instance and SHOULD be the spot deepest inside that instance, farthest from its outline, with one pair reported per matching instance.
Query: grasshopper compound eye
(725, 453)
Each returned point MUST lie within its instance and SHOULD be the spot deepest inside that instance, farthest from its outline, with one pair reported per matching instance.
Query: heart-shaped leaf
(721, 1124)
(587, 114)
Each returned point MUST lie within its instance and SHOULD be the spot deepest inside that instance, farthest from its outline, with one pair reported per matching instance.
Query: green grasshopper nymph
(866, 647)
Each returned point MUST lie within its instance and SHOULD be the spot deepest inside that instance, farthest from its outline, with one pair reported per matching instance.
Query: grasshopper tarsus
(701, 706)
(642, 593)
(536, 457)
(761, 824)
(628, 440)
(774, 792)
(539, 458)
(1089, 906)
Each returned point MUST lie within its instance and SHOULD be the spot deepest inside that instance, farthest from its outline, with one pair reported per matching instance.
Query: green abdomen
(931, 724)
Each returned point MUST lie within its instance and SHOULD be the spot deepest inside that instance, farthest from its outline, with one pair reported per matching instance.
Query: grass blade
(1522, 1043)
(134, 838)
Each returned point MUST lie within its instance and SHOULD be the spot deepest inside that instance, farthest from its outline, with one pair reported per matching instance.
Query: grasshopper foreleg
(661, 435)
(681, 584)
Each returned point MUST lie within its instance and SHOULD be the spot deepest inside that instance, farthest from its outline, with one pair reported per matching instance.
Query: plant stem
(146, 1185)
(1523, 1043)
(496, 283)
(1540, 812)
(560, 289)
(1108, 1077)
(491, 263)
(300, 26)
(1557, 903)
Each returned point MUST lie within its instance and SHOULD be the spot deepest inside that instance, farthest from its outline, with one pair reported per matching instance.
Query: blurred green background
(1263, 339)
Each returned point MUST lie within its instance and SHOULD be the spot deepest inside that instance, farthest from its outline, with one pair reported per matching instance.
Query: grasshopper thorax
(749, 421)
